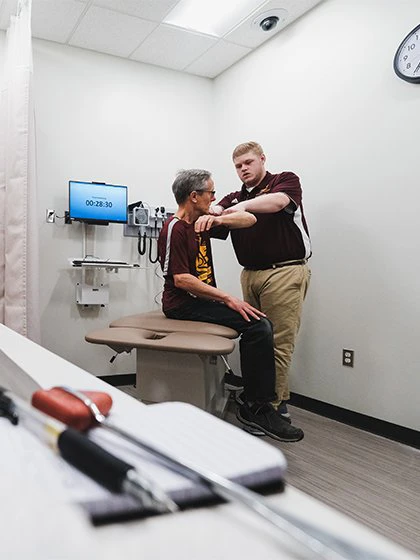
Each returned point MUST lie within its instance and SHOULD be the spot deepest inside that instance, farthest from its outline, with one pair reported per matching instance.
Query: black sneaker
(252, 431)
(240, 399)
(233, 382)
(284, 413)
(265, 418)
(282, 409)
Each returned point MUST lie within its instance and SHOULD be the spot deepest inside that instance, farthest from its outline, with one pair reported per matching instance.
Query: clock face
(407, 57)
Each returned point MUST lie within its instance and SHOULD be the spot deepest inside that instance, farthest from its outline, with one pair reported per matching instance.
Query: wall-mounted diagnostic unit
(146, 224)
(97, 203)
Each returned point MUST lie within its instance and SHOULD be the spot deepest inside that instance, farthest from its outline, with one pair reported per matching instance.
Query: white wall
(324, 101)
(106, 119)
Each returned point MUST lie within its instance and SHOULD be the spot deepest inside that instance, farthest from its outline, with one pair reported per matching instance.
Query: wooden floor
(373, 480)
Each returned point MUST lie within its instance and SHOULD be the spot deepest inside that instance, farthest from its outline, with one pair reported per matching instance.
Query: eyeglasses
(210, 192)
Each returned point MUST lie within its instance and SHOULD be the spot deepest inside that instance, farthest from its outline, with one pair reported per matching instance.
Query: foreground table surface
(38, 523)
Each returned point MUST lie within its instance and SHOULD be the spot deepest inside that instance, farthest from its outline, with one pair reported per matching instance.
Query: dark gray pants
(255, 345)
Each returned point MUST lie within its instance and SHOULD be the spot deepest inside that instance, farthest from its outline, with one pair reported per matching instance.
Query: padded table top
(156, 321)
(193, 343)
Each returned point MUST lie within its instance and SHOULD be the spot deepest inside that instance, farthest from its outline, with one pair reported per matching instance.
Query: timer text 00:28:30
(100, 203)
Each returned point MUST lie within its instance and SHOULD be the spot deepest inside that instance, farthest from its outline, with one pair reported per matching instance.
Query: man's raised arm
(234, 220)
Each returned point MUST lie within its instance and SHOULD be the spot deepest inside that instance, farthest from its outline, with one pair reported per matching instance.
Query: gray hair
(189, 180)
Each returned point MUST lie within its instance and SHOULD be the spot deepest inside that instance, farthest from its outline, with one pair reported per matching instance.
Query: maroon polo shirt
(276, 237)
(183, 251)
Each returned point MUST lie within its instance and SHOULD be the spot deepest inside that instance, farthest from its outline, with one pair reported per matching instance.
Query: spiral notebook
(178, 429)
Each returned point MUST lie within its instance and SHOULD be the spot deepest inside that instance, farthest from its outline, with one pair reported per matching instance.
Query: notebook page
(197, 438)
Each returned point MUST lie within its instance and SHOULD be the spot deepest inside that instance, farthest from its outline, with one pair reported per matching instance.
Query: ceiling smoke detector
(269, 21)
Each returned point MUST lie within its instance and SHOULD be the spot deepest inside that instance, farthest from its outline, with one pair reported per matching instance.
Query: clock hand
(417, 68)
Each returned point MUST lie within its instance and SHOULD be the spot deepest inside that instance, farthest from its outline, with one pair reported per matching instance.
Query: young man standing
(190, 293)
(273, 253)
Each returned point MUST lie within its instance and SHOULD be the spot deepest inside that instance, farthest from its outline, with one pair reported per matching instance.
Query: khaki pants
(279, 293)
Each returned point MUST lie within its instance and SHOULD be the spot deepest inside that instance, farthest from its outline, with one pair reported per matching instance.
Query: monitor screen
(97, 203)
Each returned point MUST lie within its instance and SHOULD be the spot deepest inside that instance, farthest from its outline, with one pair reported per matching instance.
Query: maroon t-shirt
(276, 237)
(183, 251)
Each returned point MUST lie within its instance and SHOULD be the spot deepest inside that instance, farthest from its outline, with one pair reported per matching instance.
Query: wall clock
(407, 57)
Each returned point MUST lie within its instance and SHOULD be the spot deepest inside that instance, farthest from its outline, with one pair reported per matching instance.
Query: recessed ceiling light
(213, 17)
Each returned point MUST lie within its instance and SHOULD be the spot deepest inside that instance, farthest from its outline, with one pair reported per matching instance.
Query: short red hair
(247, 147)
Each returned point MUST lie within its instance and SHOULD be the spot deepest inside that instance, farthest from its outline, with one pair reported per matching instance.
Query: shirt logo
(202, 263)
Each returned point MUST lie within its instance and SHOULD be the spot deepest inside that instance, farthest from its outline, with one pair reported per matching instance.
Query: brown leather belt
(276, 265)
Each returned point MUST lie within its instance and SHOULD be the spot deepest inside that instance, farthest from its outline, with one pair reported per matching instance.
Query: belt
(276, 265)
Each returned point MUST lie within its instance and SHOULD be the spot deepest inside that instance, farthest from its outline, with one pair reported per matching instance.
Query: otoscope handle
(8, 408)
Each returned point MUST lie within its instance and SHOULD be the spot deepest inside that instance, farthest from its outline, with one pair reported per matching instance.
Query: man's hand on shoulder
(237, 219)
(205, 222)
(239, 207)
(232, 220)
(216, 210)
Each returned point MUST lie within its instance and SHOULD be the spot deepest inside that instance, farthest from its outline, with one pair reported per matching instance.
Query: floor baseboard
(119, 379)
(368, 423)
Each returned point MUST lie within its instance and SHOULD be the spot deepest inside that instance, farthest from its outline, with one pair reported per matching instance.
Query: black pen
(87, 456)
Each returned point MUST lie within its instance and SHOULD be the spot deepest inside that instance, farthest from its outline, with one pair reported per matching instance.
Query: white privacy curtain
(19, 293)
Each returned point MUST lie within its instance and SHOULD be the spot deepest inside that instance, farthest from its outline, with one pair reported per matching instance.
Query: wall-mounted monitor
(97, 203)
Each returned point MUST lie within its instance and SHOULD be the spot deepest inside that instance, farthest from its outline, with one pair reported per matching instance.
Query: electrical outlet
(50, 216)
(348, 357)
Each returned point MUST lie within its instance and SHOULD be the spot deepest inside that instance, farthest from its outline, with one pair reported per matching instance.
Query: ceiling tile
(173, 47)
(54, 20)
(211, 17)
(249, 34)
(155, 10)
(111, 32)
(217, 59)
(134, 29)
